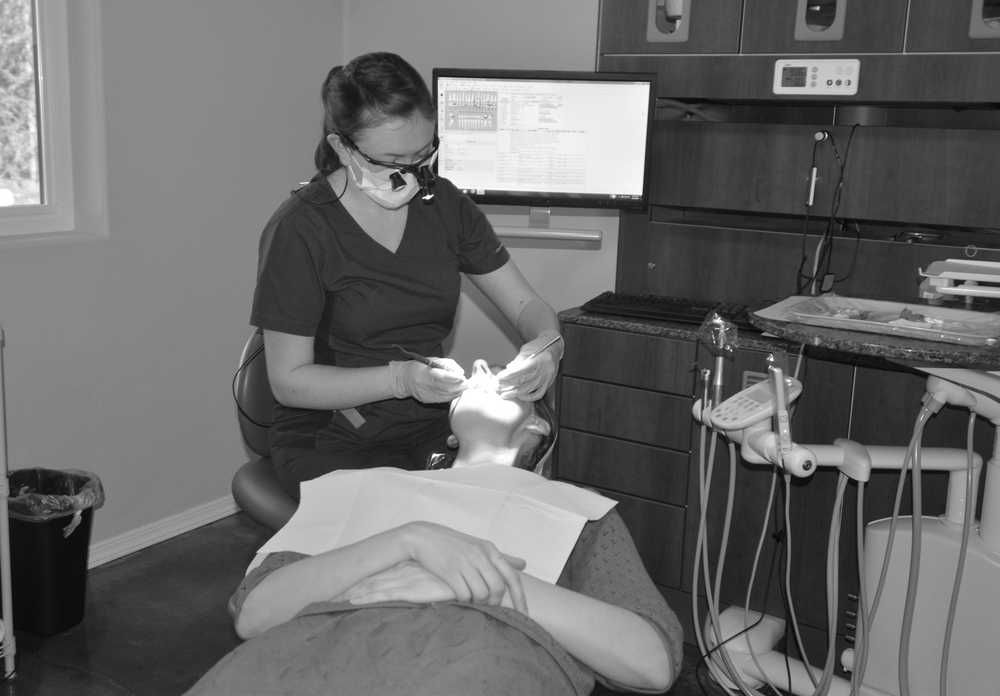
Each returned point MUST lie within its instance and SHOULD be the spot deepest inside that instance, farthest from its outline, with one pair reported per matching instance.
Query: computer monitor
(545, 138)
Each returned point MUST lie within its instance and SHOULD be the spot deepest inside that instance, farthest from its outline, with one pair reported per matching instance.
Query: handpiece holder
(745, 418)
(721, 337)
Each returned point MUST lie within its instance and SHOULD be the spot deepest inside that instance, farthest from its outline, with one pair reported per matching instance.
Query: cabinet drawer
(626, 467)
(658, 532)
(624, 412)
(651, 362)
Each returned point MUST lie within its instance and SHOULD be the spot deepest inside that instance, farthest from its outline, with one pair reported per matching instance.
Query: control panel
(816, 76)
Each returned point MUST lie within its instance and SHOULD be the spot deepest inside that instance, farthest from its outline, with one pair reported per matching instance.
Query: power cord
(236, 399)
(821, 278)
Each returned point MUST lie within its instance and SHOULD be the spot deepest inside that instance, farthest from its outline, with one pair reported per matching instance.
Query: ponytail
(325, 158)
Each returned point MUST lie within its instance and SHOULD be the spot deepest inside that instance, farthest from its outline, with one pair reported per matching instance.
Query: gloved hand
(431, 385)
(528, 378)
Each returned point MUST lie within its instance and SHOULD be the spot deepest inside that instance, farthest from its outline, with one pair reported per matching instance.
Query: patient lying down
(421, 608)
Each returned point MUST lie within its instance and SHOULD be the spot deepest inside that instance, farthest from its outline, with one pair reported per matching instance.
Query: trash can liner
(45, 494)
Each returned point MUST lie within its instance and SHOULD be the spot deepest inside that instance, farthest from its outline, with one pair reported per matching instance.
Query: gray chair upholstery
(255, 487)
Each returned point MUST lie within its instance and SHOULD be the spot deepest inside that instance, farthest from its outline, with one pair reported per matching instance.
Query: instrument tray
(915, 320)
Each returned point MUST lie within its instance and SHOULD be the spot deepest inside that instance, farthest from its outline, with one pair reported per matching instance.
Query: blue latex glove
(533, 370)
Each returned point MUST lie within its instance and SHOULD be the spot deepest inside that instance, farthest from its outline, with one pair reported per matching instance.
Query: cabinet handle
(820, 20)
(984, 22)
(668, 21)
(550, 233)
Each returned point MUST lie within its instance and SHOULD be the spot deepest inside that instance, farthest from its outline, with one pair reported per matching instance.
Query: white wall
(120, 352)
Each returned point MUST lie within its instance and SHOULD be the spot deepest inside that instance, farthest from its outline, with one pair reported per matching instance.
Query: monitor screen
(545, 138)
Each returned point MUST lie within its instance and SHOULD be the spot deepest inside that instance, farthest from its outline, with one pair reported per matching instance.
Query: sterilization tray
(892, 318)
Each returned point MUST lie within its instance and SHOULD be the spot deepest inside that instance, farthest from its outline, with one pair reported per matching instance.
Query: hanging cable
(970, 501)
(823, 254)
(788, 582)
(862, 626)
(753, 574)
(932, 406)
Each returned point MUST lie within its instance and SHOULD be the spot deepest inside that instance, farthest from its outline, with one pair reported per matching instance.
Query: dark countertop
(667, 329)
(789, 336)
(911, 352)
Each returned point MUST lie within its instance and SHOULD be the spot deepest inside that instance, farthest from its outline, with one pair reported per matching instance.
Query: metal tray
(915, 320)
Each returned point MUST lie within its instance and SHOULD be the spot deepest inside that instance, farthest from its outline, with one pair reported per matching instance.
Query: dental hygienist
(364, 263)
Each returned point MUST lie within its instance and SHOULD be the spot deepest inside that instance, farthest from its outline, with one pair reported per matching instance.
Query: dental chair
(255, 487)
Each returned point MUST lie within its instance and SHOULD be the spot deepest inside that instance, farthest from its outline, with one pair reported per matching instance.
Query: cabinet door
(959, 25)
(670, 26)
(823, 26)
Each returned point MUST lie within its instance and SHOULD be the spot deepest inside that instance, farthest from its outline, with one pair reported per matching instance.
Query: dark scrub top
(321, 275)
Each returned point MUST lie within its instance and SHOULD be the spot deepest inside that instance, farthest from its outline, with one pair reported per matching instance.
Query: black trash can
(50, 515)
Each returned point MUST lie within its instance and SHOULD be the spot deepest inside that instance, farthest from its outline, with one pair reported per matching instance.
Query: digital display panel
(545, 138)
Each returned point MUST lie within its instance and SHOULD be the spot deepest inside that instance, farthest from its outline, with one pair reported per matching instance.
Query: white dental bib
(522, 513)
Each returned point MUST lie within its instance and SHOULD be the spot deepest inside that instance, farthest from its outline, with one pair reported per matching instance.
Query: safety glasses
(412, 167)
(420, 169)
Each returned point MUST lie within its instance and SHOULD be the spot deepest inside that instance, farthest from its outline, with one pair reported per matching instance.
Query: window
(52, 174)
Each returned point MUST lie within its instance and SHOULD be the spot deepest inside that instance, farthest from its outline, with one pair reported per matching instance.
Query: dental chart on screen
(544, 138)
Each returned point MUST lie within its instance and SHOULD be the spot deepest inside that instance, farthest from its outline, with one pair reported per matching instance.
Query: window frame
(71, 129)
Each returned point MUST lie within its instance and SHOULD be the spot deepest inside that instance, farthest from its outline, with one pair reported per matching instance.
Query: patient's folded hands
(444, 565)
(404, 582)
(473, 568)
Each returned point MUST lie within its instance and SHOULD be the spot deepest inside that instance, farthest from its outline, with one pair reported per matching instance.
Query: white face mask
(378, 185)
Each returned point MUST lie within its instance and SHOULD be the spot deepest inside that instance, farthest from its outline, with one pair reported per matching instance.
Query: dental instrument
(546, 346)
(430, 362)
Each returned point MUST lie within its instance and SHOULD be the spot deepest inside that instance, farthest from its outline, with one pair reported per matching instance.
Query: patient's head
(493, 430)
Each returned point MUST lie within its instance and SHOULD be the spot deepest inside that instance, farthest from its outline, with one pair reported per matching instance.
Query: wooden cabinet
(625, 429)
(956, 26)
(823, 26)
(931, 176)
(670, 26)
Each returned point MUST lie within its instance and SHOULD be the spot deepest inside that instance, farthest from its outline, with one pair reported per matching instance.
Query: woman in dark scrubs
(355, 264)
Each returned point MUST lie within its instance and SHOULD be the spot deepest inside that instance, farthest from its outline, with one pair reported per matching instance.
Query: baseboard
(161, 530)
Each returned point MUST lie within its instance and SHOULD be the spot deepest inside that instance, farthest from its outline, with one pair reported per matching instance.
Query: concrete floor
(156, 620)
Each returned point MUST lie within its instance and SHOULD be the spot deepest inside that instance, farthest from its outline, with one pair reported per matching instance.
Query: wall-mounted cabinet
(908, 51)
(901, 175)
(823, 26)
(969, 25)
(670, 26)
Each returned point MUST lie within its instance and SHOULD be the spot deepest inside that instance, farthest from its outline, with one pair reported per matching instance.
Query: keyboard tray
(661, 308)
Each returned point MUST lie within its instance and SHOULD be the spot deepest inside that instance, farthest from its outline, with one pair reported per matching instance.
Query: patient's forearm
(288, 590)
(613, 641)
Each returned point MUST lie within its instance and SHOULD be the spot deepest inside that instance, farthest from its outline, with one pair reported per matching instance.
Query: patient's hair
(530, 456)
